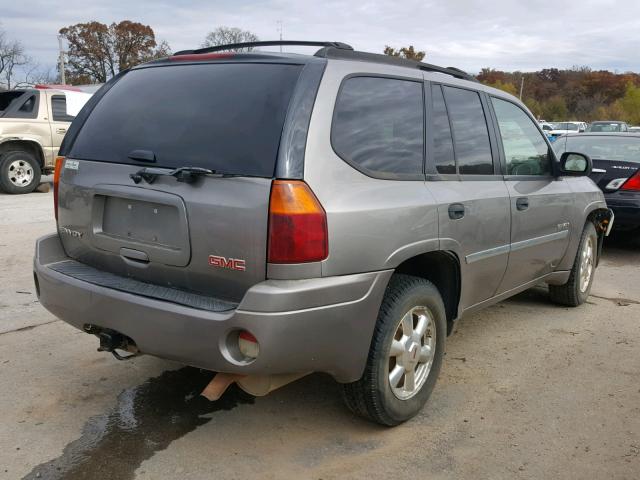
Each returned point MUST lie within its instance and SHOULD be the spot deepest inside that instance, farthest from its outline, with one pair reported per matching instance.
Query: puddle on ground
(146, 419)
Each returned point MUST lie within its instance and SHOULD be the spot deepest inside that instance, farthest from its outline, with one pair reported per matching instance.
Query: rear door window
(378, 125)
(470, 131)
(226, 117)
(441, 131)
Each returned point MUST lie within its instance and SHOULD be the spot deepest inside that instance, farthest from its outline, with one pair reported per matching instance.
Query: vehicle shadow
(622, 247)
(147, 418)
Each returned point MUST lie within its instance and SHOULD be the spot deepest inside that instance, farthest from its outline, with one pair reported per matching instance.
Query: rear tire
(407, 349)
(19, 172)
(576, 291)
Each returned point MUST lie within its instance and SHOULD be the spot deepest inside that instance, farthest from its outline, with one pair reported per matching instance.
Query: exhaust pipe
(256, 385)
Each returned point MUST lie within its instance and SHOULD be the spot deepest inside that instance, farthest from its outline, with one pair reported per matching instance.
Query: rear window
(626, 149)
(605, 127)
(225, 117)
(6, 98)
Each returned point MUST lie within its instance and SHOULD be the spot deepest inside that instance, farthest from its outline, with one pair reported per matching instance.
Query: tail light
(297, 224)
(56, 180)
(633, 183)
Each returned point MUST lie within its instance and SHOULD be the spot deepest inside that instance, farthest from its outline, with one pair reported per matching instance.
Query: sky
(507, 35)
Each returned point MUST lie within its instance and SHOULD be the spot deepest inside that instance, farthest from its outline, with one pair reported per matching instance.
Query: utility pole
(63, 79)
(279, 22)
(521, 86)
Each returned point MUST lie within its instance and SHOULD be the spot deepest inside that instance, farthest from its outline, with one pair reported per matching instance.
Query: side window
(525, 150)
(378, 125)
(441, 131)
(470, 131)
(28, 106)
(59, 109)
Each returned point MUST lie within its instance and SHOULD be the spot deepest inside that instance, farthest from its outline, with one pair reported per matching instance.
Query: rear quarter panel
(373, 224)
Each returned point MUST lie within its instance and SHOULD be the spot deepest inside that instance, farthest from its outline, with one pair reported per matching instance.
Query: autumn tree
(405, 52)
(96, 51)
(229, 35)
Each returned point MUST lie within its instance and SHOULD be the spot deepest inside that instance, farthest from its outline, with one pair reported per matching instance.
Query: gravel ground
(528, 390)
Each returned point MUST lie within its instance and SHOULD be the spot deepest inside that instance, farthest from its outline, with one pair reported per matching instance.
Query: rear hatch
(206, 233)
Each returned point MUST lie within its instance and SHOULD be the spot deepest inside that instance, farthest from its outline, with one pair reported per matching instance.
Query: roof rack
(329, 52)
(338, 50)
(270, 43)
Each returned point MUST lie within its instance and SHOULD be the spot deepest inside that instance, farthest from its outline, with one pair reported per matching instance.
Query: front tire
(576, 291)
(405, 355)
(19, 172)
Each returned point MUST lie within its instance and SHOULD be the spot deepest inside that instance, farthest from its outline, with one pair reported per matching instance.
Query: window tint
(378, 124)
(525, 150)
(441, 131)
(601, 147)
(226, 117)
(59, 109)
(27, 107)
(472, 147)
(7, 98)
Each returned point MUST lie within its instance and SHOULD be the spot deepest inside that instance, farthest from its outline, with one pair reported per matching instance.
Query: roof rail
(338, 50)
(270, 43)
(329, 52)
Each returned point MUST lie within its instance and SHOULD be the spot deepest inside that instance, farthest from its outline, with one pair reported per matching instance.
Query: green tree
(535, 107)
(554, 109)
(630, 104)
(405, 52)
(504, 86)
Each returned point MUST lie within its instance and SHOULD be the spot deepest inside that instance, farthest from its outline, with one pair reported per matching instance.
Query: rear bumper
(626, 207)
(321, 325)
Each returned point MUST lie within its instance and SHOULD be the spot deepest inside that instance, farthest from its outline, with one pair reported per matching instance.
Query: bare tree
(33, 74)
(228, 35)
(12, 58)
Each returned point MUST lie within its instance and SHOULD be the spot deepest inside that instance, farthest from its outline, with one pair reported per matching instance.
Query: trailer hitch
(111, 341)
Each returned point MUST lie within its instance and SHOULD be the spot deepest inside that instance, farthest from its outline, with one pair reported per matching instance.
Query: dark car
(616, 170)
(608, 127)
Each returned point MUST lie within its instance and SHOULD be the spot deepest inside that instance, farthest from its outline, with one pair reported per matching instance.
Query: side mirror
(575, 164)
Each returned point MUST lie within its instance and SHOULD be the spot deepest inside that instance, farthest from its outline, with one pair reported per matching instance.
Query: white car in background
(562, 128)
(546, 127)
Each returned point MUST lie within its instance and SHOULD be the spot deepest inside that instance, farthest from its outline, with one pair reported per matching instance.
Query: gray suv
(268, 215)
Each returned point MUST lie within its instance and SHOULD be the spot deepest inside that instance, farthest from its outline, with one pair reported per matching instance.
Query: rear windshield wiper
(182, 174)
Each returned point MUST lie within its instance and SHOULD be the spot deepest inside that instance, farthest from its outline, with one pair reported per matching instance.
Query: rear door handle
(522, 203)
(61, 130)
(456, 211)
